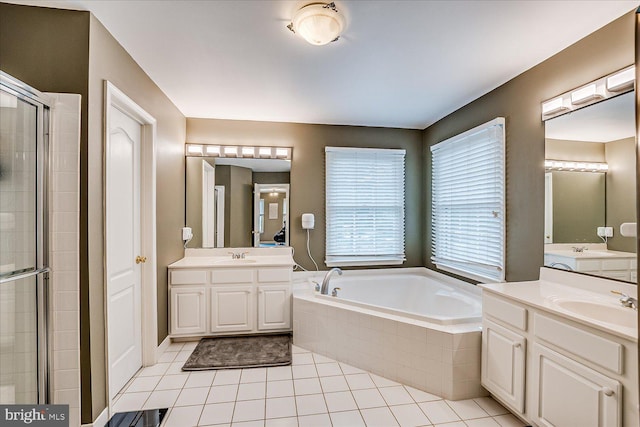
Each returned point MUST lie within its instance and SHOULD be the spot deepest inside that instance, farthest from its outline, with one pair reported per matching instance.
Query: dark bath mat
(240, 352)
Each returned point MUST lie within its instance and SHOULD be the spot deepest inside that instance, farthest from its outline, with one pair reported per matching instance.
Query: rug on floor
(253, 351)
(146, 418)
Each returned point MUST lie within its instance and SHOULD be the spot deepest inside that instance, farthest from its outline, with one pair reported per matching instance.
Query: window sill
(478, 278)
(354, 263)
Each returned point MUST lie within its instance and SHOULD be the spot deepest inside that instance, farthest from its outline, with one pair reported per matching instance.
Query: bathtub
(416, 294)
(411, 325)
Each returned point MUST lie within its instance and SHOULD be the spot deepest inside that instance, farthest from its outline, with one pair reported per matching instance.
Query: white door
(208, 205)
(123, 272)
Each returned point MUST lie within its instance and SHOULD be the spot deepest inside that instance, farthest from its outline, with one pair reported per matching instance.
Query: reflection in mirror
(220, 205)
(586, 204)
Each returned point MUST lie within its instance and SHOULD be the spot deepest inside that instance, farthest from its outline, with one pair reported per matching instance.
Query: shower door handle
(24, 275)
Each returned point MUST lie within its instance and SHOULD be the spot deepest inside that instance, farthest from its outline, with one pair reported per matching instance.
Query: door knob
(141, 259)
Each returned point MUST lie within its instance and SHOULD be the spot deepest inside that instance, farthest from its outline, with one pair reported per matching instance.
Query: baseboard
(102, 419)
(163, 346)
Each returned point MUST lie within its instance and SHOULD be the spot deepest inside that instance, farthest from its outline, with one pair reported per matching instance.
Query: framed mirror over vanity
(590, 179)
(237, 197)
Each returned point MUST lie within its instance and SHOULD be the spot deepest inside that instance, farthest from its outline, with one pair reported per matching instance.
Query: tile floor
(314, 391)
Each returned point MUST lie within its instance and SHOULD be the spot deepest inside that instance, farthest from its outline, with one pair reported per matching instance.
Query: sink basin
(601, 312)
(236, 261)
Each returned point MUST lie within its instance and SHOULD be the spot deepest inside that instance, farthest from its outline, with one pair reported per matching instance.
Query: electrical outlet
(187, 233)
(608, 232)
(601, 231)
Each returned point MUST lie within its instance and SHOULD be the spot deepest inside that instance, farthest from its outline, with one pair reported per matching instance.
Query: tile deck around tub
(314, 391)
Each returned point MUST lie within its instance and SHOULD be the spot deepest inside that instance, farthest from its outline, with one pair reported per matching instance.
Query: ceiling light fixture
(318, 23)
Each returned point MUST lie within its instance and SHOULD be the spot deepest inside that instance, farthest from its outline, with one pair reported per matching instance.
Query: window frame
(457, 266)
(361, 259)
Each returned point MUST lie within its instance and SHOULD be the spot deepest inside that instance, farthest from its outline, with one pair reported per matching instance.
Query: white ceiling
(399, 64)
(606, 121)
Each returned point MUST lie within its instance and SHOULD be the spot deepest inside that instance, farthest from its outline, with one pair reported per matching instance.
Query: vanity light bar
(622, 80)
(564, 165)
(585, 94)
(614, 84)
(553, 106)
(238, 151)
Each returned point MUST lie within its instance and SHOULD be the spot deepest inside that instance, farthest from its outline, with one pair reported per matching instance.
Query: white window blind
(364, 206)
(468, 203)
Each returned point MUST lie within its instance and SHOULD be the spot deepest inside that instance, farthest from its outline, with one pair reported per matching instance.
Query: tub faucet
(324, 290)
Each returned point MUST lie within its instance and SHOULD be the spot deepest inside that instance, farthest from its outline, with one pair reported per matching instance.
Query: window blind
(468, 203)
(364, 206)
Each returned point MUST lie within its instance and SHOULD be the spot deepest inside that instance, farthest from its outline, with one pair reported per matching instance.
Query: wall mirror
(590, 187)
(237, 202)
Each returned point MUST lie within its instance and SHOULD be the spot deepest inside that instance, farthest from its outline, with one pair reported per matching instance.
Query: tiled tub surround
(442, 359)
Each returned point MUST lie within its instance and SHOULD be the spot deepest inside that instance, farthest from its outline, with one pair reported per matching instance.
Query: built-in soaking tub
(411, 325)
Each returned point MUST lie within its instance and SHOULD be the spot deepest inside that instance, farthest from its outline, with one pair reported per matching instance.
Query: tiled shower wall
(64, 295)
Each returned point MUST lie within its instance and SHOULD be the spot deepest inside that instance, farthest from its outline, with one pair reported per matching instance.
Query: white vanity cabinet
(244, 299)
(504, 350)
(553, 371)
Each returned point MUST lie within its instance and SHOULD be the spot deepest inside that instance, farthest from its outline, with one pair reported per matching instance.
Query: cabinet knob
(517, 345)
(607, 391)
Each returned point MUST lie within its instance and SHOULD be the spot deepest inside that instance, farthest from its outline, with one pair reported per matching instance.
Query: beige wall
(307, 170)
(578, 206)
(109, 61)
(606, 50)
(579, 151)
(621, 186)
(240, 207)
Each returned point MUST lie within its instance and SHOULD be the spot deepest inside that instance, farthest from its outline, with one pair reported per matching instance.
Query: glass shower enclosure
(24, 269)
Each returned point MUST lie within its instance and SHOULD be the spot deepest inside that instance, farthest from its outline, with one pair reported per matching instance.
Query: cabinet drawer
(588, 265)
(188, 277)
(266, 275)
(615, 264)
(232, 276)
(504, 311)
(591, 347)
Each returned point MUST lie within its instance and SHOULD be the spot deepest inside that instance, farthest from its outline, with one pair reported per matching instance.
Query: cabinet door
(188, 310)
(274, 307)
(232, 308)
(572, 394)
(503, 364)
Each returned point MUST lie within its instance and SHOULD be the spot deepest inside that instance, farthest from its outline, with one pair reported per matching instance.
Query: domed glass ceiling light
(318, 23)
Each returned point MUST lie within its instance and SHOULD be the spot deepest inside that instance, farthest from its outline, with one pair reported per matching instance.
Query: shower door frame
(42, 103)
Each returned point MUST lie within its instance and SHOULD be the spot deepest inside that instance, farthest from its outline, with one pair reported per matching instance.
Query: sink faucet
(626, 300)
(238, 255)
(324, 290)
(578, 249)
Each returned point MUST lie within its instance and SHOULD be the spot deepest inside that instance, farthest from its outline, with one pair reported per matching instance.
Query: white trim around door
(114, 98)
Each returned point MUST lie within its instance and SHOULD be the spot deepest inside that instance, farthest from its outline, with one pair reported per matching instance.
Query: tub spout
(324, 290)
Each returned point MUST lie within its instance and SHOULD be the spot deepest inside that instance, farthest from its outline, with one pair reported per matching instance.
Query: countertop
(221, 258)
